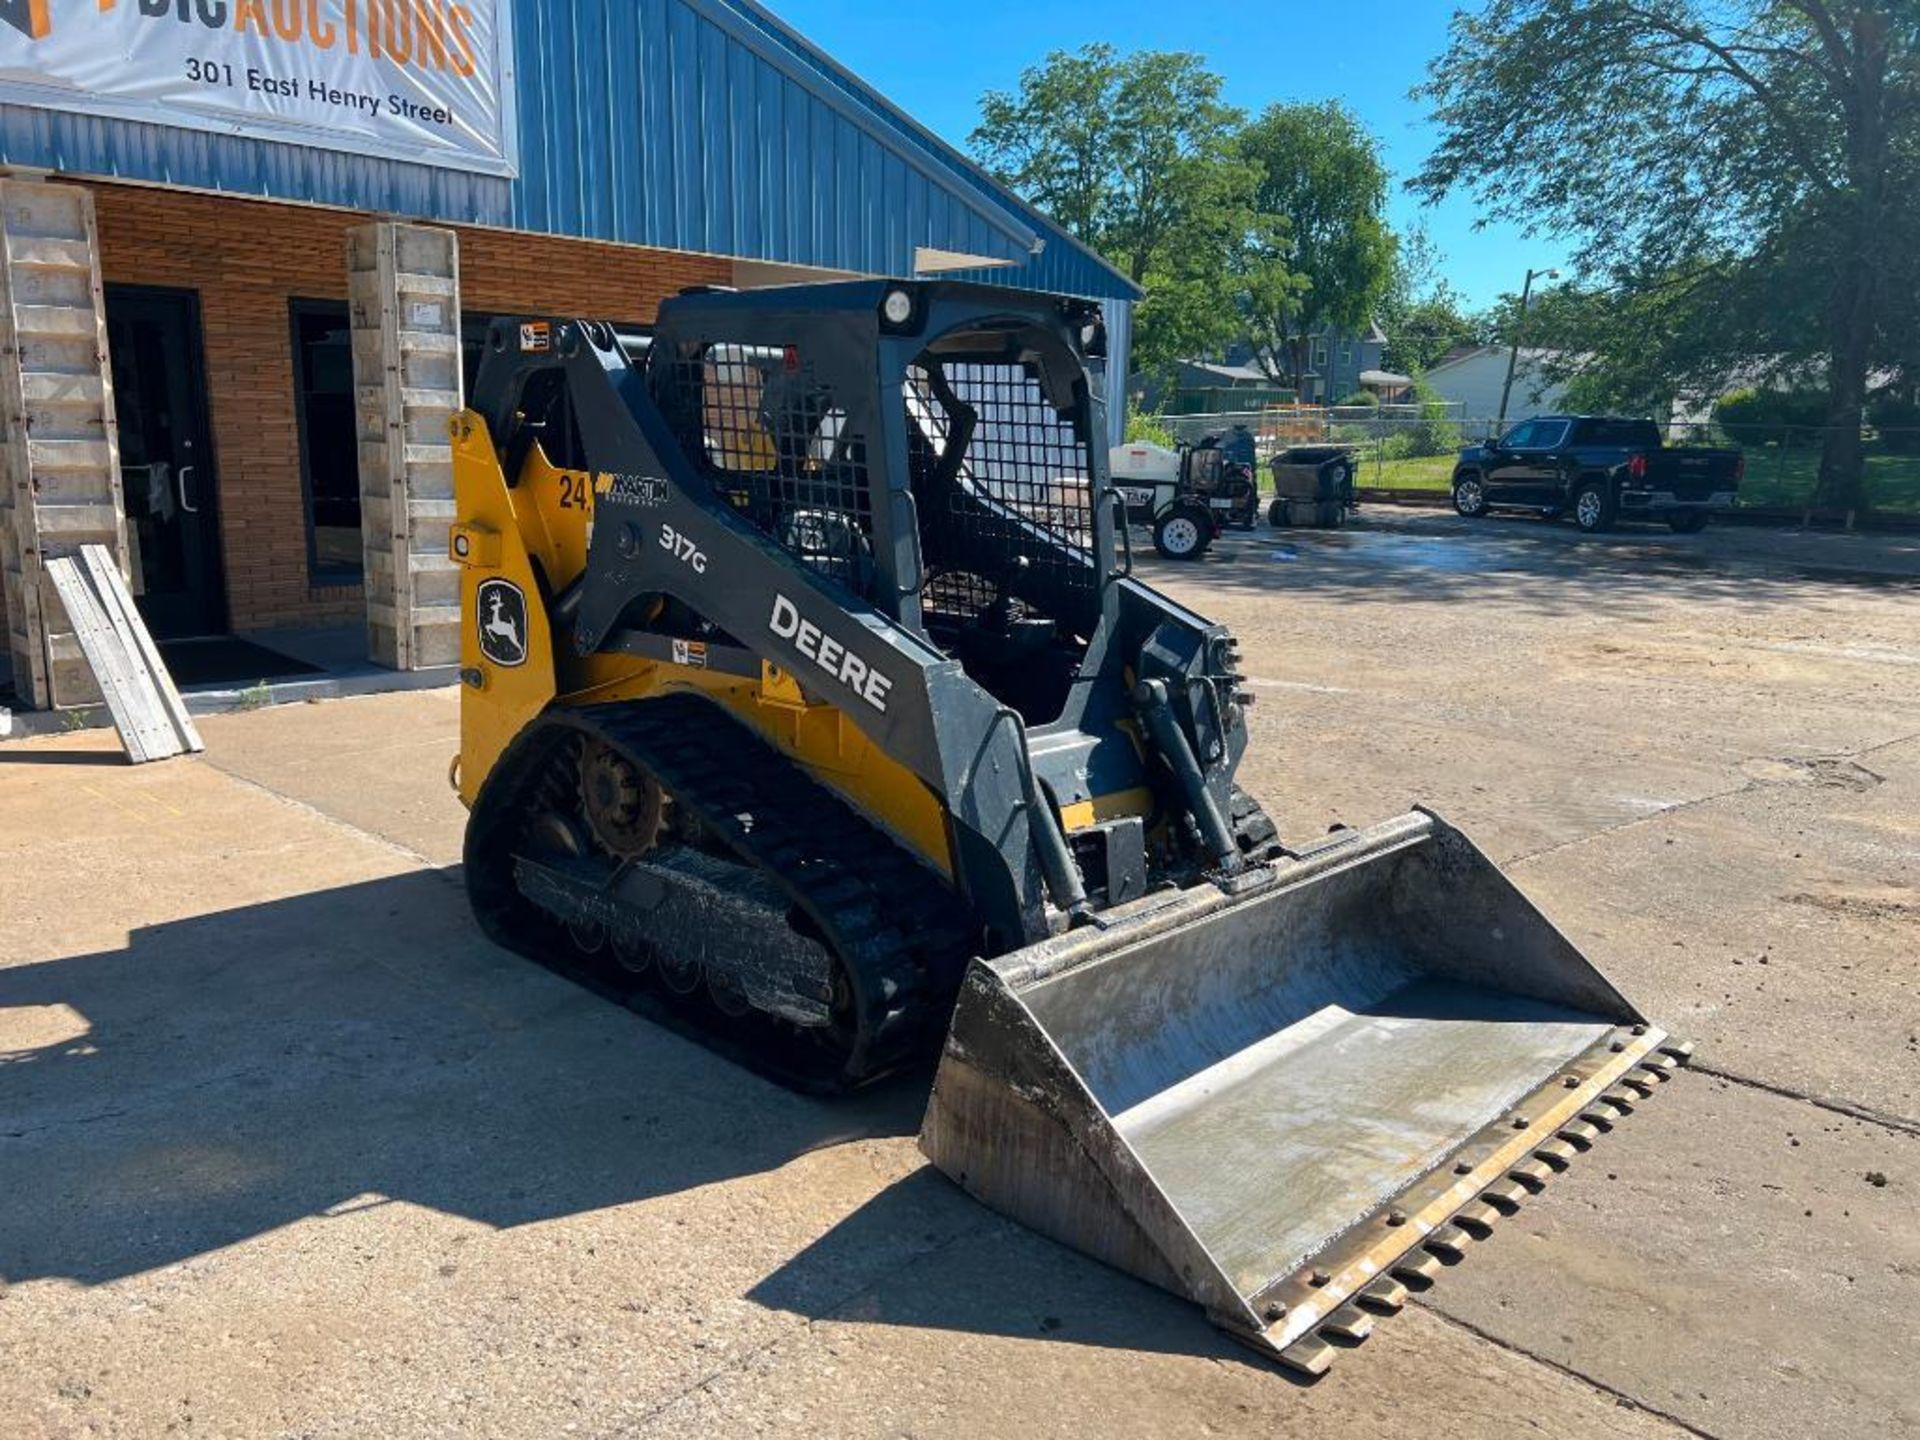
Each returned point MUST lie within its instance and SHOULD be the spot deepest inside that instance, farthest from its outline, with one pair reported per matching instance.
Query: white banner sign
(422, 80)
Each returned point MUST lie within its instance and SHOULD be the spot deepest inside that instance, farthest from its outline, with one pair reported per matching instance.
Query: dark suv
(1599, 469)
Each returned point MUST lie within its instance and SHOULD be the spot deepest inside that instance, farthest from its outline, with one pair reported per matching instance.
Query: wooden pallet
(140, 695)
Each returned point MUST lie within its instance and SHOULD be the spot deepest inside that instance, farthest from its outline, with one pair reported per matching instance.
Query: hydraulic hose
(1164, 728)
(1062, 876)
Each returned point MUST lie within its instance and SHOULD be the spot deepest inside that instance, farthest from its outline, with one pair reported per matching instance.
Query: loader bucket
(1290, 1102)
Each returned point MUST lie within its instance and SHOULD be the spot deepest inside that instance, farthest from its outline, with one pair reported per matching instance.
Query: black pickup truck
(1599, 469)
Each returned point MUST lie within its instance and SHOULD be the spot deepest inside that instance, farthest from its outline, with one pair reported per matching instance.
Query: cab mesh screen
(1004, 490)
(773, 438)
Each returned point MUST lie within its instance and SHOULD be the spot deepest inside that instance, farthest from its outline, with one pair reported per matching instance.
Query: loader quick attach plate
(1292, 1102)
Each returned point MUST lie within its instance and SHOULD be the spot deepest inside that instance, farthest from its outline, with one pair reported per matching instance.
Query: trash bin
(1312, 485)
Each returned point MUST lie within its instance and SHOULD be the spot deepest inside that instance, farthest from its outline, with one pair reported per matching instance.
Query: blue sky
(935, 62)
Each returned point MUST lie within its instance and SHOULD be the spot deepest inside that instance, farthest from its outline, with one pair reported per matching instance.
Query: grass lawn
(1786, 478)
(1429, 472)
(1774, 477)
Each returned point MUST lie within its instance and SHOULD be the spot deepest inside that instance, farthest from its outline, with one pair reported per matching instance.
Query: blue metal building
(676, 130)
(697, 125)
(701, 125)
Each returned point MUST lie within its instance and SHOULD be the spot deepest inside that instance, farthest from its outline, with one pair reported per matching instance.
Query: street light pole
(1513, 355)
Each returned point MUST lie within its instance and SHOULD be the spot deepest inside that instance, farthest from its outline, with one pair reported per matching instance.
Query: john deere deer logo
(500, 622)
(32, 18)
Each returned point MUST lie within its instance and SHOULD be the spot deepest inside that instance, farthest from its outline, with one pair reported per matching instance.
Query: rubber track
(901, 935)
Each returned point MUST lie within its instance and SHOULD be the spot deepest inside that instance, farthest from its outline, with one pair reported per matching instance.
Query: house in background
(1339, 363)
(1471, 380)
(1213, 387)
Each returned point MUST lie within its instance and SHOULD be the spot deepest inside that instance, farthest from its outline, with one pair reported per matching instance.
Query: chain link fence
(1412, 448)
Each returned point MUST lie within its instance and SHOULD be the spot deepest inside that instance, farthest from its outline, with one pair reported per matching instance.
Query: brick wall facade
(248, 259)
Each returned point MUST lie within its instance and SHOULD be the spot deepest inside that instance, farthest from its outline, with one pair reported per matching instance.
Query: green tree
(1136, 155)
(1324, 259)
(1652, 338)
(1742, 172)
(1421, 333)
(1150, 428)
(1422, 316)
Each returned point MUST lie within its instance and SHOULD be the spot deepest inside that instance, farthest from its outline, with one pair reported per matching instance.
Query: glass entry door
(166, 460)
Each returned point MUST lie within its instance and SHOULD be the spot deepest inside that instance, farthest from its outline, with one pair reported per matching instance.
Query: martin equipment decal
(428, 81)
(500, 620)
(646, 491)
(833, 658)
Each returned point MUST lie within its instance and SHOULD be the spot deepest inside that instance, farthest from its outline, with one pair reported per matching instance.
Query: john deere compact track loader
(811, 706)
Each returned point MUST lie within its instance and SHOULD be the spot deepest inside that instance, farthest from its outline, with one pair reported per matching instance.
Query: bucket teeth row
(1531, 1175)
(1418, 1267)
(1384, 1296)
(1447, 1243)
(1504, 1195)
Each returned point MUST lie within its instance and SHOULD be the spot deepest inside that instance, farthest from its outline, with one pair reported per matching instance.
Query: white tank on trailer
(1143, 462)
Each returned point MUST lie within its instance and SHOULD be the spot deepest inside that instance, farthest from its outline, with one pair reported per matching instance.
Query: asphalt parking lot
(286, 1149)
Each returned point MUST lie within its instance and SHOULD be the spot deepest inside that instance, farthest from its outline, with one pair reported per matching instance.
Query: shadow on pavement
(224, 1075)
(982, 1275)
(25, 755)
(1535, 565)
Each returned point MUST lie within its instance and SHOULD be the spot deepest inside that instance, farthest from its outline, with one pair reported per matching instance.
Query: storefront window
(329, 449)
(473, 344)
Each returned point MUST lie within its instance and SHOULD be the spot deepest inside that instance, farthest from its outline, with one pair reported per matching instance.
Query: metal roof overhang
(698, 125)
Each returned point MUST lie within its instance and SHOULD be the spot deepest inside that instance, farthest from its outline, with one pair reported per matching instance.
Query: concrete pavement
(286, 1149)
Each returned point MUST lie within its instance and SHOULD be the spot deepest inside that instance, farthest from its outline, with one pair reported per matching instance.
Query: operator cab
(990, 448)
(1000, 468)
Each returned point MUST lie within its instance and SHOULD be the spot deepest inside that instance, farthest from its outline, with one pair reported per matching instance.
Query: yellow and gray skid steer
(811, 707)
